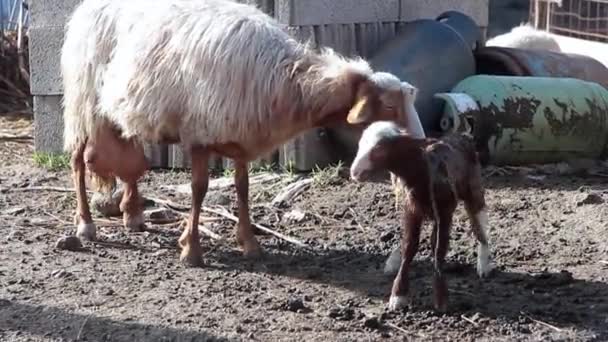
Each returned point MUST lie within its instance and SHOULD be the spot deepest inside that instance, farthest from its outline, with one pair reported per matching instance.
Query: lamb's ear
(409, 90)
(361, 112)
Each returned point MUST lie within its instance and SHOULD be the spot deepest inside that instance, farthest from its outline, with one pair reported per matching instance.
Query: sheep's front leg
(245, 233)
(85, 227)
(189, 241)
(440, 240)
(410, 239)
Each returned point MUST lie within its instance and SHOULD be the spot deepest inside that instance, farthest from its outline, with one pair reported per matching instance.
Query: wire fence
(14, 14)
(584, 19)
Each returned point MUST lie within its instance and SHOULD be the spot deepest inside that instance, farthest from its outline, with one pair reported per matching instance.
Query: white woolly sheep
(217, 76)
(436, 174)
(525, 36)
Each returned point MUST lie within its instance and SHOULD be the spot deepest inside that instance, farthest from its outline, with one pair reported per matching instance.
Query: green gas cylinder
(528, 120)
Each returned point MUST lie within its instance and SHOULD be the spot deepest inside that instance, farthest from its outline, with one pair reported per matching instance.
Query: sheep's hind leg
(245, 233)
(132, 208)
(85, 227)
(189, 241)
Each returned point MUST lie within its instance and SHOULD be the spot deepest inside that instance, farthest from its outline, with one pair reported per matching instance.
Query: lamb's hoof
(86, 231)
(251, 249)
(396, 303)
(191, 256)
(393, 262)
(134, 223)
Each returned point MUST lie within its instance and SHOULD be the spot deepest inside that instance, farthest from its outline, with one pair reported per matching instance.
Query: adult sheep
(217, 76)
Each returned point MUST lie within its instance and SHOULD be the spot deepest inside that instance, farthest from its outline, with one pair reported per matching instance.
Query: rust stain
(515, 113)
(571, 122)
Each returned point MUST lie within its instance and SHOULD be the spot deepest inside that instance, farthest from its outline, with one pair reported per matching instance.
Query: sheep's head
(382, 97)
(373, 150)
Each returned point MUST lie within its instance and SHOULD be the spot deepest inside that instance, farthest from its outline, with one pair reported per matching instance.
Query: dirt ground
(548, 238)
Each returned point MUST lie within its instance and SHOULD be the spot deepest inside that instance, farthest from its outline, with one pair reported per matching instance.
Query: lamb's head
(382, 97)
(374, 149)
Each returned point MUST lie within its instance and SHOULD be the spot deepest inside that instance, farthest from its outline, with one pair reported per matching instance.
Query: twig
(82, 327)
(231, 217)
(224, 213)
(57, 218)
(291, 191)
(542, 323)
(356, 218)
(406, 332)
(43, 188)
(605, 262)
(15, 137)
(469, 320)
(209, 233)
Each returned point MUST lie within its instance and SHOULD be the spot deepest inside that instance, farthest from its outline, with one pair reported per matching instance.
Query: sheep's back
(201, 71)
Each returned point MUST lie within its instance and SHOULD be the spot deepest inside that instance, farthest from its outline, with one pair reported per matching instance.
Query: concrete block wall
(350, 26)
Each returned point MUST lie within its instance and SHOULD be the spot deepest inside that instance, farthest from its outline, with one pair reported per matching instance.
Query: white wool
(206, 72)
(525, 36)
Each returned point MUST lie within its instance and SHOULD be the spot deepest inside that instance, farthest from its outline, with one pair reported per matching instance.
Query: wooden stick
(42, 188)
(543, 323)
(291, 191)
(226, 214)
(469, 320)
(406, 332)
(209, 233)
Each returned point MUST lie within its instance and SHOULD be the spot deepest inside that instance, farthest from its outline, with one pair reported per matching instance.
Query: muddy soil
(548, 238)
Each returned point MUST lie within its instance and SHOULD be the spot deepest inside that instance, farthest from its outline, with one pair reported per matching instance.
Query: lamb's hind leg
(440, 240)
(86, 228)
(475, 206)
(245, 233)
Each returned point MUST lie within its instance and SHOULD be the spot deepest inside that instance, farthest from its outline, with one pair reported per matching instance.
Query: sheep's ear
(360, 112)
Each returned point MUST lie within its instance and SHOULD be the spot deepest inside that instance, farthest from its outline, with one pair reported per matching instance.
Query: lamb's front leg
(440, 241)
(189, 241)
(245, 234)
(410, 239)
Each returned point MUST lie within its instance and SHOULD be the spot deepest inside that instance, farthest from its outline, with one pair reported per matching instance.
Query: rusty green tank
(527, 120)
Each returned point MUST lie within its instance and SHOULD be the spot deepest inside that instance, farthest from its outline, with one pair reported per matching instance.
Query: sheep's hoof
(191, 256)
(86, 231)
(393, 262)
(441, 307)
(396, 303)
(251, 249)
(134, 223)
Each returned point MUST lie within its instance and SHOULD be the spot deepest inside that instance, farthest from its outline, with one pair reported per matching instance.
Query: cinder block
(417, 9)
(48, 123)
(45, 52)
(320, 12)
(51, 13)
